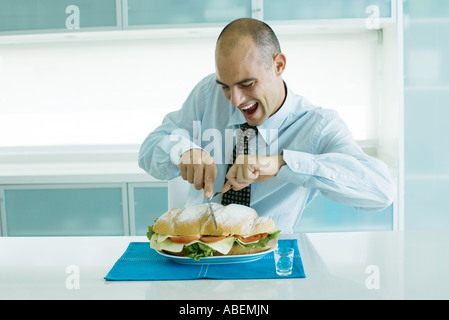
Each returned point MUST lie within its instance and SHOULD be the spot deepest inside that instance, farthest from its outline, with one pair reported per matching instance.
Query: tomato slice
(210, 239)
(185, 239)
(253, 238)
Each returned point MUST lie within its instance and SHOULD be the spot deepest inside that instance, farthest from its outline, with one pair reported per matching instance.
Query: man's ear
(279, 61)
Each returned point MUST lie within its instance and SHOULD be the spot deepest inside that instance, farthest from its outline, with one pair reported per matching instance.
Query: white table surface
(357, 265)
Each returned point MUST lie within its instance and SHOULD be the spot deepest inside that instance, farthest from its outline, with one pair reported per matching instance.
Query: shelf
(75, 172)
(436, 88)
(436, 21)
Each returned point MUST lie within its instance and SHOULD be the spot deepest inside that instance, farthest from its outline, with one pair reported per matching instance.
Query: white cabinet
(64, 210)
(147, 202)
(81, 209)
(49, 16)
(129, 208)
(139, 13)
(29, 16)
(326, 9)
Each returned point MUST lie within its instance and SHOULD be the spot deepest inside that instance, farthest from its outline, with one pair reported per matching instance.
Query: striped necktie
(242, 196)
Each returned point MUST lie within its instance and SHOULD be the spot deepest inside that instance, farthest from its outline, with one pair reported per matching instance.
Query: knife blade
(212, 210)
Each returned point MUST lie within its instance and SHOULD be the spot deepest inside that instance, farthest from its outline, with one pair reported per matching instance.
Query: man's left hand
(252, 168)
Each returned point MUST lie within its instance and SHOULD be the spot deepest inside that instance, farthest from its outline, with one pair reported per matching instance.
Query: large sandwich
(191, 232)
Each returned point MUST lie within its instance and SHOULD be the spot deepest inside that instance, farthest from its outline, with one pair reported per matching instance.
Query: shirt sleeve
(159, 153)
(339, 169)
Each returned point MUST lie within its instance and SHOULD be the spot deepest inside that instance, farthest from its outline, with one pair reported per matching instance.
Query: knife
(212, 210)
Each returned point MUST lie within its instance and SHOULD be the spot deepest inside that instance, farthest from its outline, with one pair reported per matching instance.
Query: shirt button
(296, 166)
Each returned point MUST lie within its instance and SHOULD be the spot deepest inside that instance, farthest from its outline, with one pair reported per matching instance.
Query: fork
(214, 195)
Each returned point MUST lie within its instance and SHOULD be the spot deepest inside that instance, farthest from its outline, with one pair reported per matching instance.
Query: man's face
(249, 83)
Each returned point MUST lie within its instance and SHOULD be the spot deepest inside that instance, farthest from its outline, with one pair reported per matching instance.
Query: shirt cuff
(299, 167)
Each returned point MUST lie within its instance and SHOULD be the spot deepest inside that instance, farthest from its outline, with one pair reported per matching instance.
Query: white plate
(218, 259)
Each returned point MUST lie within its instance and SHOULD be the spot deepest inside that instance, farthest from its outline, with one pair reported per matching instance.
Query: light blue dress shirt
(319, 150)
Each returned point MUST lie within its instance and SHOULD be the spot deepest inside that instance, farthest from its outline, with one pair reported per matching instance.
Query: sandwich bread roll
(240, 231)
(231, 219)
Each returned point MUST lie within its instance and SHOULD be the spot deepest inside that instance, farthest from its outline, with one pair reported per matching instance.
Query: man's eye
(249, 85)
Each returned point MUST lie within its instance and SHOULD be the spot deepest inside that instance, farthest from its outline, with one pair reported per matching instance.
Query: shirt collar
(273, 122)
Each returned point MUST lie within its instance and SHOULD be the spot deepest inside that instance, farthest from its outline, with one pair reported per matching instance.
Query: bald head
(246, 29)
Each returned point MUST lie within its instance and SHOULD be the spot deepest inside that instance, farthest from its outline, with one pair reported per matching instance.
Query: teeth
(249, 106)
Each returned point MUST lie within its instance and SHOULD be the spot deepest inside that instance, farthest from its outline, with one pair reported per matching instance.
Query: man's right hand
(198, 168)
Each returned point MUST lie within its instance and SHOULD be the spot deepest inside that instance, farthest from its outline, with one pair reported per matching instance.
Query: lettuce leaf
(150, 232)
(198, 250)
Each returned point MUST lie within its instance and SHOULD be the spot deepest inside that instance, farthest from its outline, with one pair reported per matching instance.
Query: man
(300, 149)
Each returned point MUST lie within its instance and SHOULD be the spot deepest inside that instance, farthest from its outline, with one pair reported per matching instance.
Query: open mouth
(250, 109)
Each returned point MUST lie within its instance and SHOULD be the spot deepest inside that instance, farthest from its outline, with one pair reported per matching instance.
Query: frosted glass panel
(426, 56)
(426, 62)
(426, 8)
(427, 133)
(427, 204)
(324, 215)
(64, 212)
(149, 12)
(149, 204)
(323, 9)
(1, 226)
(18, 15)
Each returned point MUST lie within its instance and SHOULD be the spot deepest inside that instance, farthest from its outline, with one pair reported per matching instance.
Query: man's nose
(237, 97)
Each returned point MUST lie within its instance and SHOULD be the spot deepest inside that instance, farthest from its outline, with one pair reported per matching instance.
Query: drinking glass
(283, 259)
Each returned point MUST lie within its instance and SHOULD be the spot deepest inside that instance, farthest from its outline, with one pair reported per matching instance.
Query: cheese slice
(167, 244)
(222, 246)
(161, 237)
(161, 242)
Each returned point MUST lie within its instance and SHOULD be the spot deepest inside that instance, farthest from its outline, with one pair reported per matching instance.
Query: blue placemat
(141, 263)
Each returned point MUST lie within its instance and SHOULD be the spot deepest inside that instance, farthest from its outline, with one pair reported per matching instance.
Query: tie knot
(245, 126)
